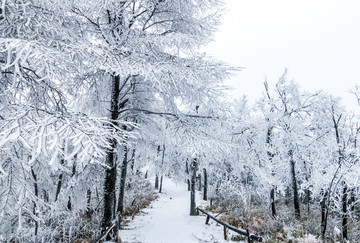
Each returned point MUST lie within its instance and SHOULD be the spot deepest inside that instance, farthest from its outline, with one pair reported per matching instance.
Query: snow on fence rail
(230, 227)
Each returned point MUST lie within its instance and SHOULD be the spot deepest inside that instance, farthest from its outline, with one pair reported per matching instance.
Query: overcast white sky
(318, 41)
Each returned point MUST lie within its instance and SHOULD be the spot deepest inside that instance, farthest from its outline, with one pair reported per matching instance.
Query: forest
(99, 96)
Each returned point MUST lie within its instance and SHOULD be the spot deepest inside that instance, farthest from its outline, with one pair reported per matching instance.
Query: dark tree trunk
(344, 214)
(323, 205)
(146, 174)
(200, 185)
(162, 167)
(157, 181)
(58, 188)
(192, 192)
(187, 168)
(161, 181)
(294, 186)
(205, 185)
(218, 184)
(109, 193)
(352, 200)
(133, 160)
(60, 179)
(272, 199)
(45, 195)
(88, 205)
(188, 173)
(69, 206)
(271, 156)
(36, 192)
(110, 173)
(123, 181)
(287, 195)
(74, 166)
(308, 196)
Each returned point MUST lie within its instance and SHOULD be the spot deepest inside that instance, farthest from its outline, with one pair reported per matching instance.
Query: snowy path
(168, 220)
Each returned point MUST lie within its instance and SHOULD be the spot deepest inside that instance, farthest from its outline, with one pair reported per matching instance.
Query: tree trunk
(109, 193)
(123, 181)
(294, 186)
(192, 192)
(199, 176)
(36, 192)
(308, 195)
(162, 167)
(272, 199)
(270, 157)
(161, 181)
(110, 173)
(352, 200)
(133, 160)
(69, 205)
(323, 204)
(58, 188)
(344, 214)
(205, 185)
(188, 173)
(157, 181)
(88, 205)
(187, 168)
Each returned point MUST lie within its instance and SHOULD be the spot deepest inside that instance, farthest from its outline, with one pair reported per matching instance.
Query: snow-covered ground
(167, 220)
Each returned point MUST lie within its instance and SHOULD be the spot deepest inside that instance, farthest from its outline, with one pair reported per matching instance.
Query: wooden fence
(246, 233)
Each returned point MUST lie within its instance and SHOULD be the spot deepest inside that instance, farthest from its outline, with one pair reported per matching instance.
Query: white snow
(167, 220)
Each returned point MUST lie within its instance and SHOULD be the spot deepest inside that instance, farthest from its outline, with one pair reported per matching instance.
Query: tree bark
(88, 203)
(344, 213)
(123, 181)
(133, 160)
(187, 168)
(110, 173)
(270, 157)
(192, 192)
(58, 188)
(199, 176)
(308, 196)
(294, 186)
(161, 181)
(272, 199)
(36, 192)
(162, 167)
(69, 204)
(205, 185)
(157, 181)
(323, 204)
(352, 199)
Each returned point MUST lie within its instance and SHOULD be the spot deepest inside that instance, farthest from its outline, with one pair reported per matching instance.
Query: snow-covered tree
(76, 75)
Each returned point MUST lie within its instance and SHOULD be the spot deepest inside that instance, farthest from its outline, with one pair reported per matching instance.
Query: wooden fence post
(248, 236)
(205, 185)
(207, 220)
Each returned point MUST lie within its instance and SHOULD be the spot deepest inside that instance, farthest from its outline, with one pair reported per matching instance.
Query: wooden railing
(112, 229)
(246, 233)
